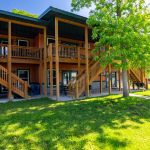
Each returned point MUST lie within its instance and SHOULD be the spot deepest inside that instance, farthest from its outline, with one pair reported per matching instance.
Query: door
(67, 76)
(23, 74)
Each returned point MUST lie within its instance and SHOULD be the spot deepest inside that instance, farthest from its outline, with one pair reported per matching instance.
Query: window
(67, 76)
(114, 79)
(48, 77)
(24, 75)
(4, 48)
(23, 43)
(50, 40)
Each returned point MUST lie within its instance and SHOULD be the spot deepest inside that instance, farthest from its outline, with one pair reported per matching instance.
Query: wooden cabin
(52, 56)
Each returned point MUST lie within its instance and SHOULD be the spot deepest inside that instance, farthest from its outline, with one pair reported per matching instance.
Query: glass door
(67, 76)
(24, 75)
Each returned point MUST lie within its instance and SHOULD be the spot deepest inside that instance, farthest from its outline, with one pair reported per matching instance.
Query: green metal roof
(51, 12)
(45, 17)
(13, 16)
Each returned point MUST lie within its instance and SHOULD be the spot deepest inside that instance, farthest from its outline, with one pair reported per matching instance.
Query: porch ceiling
(19, 30)
(65, 30)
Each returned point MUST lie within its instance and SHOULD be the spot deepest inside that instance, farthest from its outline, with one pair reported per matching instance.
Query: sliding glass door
(67, 76)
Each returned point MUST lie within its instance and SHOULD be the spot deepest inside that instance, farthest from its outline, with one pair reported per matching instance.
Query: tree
(123, 28)
(24, 13)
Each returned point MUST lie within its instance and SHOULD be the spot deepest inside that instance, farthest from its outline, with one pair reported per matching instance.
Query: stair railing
(19, 86)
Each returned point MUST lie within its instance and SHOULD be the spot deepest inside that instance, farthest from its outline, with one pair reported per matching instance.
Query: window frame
(28, 70)
(19, 40)
(48, 77)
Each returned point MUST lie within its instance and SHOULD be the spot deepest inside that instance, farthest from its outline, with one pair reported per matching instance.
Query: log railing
(66, 51)
(137, 73)
(18, 86)
(21, 52)
(77, 86)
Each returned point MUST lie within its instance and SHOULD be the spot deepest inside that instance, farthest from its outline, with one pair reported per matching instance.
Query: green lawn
(107, 123)
(143, 93)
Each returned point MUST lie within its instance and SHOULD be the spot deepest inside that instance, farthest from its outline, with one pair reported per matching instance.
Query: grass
(143, 93)
(108, 123)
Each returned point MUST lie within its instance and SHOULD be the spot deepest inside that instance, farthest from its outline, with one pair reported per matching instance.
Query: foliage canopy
(24, 13)
(122, 28)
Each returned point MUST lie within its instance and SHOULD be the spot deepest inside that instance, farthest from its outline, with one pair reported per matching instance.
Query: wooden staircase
(135, 75)
(19, 86)
(77, 86)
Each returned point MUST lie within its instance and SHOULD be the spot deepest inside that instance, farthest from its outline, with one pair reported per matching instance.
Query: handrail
(67, 51)
(77, 86)
(21, 51)
(137, 74)
(19, 86)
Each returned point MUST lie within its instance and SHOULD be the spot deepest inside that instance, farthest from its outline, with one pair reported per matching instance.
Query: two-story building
(52, 55)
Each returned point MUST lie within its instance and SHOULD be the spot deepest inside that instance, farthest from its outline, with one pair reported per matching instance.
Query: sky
(39, 6)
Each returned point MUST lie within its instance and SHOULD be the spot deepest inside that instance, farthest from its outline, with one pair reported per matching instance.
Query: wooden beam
(57, 58)
(51, 70)
(45, 64)
(40, 73)
(22, 23)
(101, 83)
(79, 63)
(87, 61)
(110, 79)
(119, 78)
(72, 22)
(9, 62)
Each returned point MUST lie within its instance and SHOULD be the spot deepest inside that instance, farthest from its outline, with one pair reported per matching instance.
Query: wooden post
(26, 90)
(119, 78)
(109, 74)
(57, 58)
(40, 71)
(9, 62)
(77, 90)
(87, 61)
(45, 64)
(133, 86)
(101, 83)
(51, 70)
(146, 83)
(79, 64)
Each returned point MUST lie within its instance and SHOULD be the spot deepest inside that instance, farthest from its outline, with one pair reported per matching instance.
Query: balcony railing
(21, 52)
(66, 51)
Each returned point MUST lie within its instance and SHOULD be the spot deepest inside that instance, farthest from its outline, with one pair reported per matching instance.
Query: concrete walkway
(69, 98)
(140, 96)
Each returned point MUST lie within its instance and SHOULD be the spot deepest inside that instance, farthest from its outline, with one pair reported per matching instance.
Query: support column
(51, 70)
(119, 78)
(57, 59)
(101, 83)
(79, 64)
(9, 62)
(40, 72)
(45, 64)
(133, 86)
(110, 82)
(87, 61)
(146, 83)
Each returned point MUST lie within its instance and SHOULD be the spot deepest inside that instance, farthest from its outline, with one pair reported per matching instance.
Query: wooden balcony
(68, 54)
(21, 54)
(34, 55)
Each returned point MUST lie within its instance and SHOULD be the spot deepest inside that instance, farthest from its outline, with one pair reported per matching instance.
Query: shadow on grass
(44, 124)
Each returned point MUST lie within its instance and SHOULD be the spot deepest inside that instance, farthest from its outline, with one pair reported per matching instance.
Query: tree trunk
(125, 83)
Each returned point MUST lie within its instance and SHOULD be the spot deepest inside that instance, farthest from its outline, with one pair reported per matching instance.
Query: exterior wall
(33, 69)
(16, 38)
